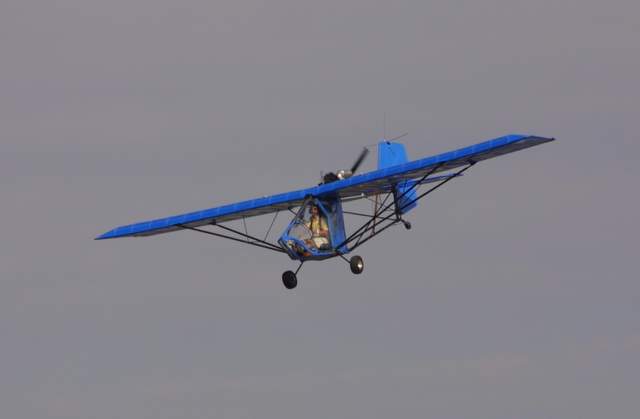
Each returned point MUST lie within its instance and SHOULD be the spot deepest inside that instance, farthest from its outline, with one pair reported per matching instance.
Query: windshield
(310, 227)
(300, 231)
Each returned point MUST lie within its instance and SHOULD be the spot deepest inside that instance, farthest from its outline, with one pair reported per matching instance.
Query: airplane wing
(371, 183)
(380, 180)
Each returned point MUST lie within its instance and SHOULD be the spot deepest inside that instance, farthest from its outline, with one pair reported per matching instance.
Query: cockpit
(312, 233)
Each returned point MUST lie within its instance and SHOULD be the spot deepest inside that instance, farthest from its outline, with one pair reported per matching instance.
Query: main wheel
(357, 265)
(289, 280)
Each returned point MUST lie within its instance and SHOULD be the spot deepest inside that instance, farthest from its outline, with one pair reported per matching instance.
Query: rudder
(393, 154)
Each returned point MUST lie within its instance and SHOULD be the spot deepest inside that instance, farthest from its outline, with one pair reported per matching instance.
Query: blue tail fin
(393, 154)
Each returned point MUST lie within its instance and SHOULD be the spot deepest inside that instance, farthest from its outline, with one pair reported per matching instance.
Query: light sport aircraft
(317, 230)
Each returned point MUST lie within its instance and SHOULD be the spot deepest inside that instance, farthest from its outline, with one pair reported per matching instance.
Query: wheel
(357, 265)
(289, 280)
(407, 225)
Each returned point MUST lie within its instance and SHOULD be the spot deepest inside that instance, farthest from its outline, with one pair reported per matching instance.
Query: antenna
(399, 136)
(384, 125)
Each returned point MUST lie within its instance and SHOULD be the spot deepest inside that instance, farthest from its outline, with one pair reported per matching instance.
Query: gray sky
(516, 294)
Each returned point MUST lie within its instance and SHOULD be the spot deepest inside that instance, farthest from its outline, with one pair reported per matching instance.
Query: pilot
(319, 229)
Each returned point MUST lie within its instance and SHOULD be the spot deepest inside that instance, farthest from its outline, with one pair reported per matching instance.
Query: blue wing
(370, 183)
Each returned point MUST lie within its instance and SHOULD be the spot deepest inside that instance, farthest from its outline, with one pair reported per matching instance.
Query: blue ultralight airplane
(317, 231)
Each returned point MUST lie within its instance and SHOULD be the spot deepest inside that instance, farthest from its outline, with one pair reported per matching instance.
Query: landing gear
(357, 265)
(289, 280)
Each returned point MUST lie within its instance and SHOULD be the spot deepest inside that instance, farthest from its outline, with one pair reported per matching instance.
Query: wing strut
(271, 226)
(359, 234)
(255, 241)
(383, 208)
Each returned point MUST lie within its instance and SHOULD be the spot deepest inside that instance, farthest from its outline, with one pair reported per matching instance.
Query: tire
(357, 265)
(289, 280)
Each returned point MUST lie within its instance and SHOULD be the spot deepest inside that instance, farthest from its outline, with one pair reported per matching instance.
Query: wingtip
(104, 236)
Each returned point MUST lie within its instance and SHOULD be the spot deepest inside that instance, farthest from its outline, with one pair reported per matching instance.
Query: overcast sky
(515, 295)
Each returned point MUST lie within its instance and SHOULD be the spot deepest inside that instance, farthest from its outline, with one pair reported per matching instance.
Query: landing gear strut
(357, 265)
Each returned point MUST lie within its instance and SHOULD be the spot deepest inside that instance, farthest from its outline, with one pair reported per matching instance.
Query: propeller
(345, 174)
(363, 155)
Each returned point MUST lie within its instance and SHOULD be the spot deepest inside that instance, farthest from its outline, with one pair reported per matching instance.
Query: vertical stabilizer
(393, 154)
